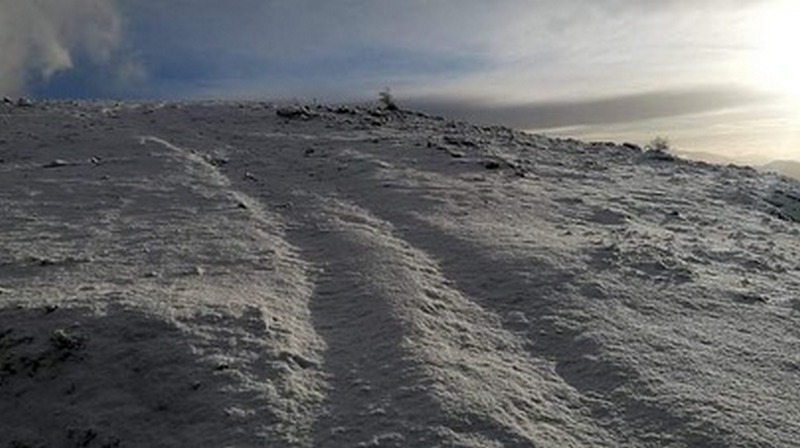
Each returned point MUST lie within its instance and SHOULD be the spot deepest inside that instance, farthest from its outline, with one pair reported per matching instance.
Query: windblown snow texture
(238, 275)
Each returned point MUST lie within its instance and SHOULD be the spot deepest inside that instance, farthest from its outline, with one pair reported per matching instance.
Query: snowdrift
(241, 275)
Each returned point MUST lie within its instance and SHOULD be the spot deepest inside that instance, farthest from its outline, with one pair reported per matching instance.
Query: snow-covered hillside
(240, 275)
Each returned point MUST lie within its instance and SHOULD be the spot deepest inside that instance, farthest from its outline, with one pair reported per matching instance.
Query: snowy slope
(236, 275)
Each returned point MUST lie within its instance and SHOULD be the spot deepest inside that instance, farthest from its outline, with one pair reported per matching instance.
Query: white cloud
(39, 38)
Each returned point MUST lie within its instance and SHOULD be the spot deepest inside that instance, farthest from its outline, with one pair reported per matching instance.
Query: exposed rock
(57, 163)
(295, 112)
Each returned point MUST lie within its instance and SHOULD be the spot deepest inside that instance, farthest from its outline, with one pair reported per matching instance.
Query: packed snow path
(237, 275)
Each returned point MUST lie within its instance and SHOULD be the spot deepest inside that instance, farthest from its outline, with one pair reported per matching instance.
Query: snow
(239, 274)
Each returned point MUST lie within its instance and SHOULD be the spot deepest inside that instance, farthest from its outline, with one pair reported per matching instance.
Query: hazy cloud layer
(610, 110)
(507, 49)
(39, 38)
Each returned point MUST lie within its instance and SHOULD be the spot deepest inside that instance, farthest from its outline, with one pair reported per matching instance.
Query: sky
(719, 77)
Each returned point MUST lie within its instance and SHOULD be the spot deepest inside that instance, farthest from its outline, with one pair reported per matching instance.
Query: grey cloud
(39, 38)
(620, 109)
(300, 27)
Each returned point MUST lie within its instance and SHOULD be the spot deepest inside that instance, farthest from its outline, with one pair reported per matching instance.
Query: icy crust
(245, 274)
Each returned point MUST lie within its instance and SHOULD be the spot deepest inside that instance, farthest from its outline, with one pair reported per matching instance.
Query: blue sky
(605, 69)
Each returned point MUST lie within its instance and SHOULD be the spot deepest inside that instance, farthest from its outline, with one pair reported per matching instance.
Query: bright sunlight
(776, 61)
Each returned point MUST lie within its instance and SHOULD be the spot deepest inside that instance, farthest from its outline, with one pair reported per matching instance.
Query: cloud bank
(41, 38)
(602, 111)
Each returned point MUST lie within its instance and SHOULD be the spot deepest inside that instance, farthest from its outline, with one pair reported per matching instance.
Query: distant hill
(704, 157)
(789, 168)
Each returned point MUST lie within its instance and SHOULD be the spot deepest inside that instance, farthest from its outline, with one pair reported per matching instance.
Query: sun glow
(776, 60)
